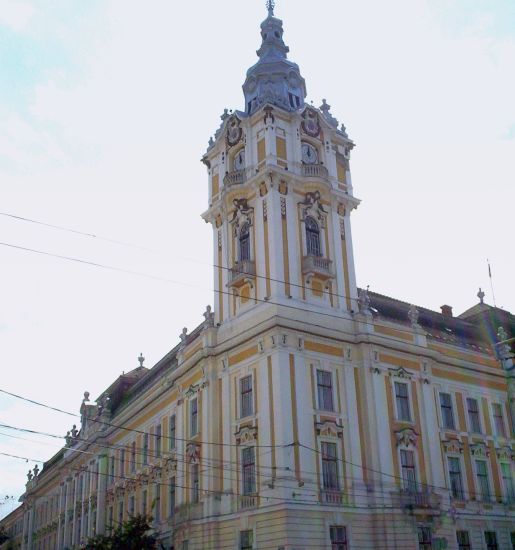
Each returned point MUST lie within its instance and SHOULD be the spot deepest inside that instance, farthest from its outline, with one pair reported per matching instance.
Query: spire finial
(270, 5)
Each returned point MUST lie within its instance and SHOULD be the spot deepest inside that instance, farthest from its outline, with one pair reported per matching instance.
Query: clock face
(239, 160)
(309, 154)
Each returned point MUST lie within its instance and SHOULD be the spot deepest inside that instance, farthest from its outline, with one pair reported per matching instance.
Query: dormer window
(312, 237)
(294, 100)
(244, 242)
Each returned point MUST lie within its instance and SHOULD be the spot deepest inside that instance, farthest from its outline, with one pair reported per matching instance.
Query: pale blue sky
(107, 106)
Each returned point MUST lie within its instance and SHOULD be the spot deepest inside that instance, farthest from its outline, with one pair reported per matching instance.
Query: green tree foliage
(131, 535)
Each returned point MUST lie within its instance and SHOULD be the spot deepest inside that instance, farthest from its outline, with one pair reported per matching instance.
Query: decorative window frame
(317, 365)
(402, 376)
(243, 373)
(339, 463)
(467, 415)
(407, 438)
(188, 408)
(454, 409)
(413, 449)
(456, 452)
(491, 404)
(477, 490)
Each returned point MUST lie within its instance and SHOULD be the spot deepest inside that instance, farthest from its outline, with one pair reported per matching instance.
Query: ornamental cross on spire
(270, 4)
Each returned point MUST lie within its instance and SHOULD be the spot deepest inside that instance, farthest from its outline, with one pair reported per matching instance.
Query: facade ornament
(209, 317)
(263, 190)
(505, 454)
(183, 336)
(326, 110)
(312, 206)
(363, 300)
(193, 453)
(310, 124)
(453, 446)
(141, 359)
(329, 428)
(68, 439)
(479, 450)
(242, 214)
(406, 437)
(504, 349)
(36, 470)
(481, 295)
(86, 397)
(269, 117)
(343, 130)
(413, 315)
(246, 435)
(234, 131)
(401, 373)
(74, 431)
(29, 475)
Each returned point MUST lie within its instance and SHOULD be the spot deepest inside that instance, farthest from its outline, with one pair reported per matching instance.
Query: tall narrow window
(133, 456)
(120, 512)
(195, 483)
(111, 469)
(246, 540)
(325, 390)
(330, 467)
(500, 428)
(425, 538)
(122, 462)
(491, 540)
(248, 466)
(507, 479)
(463, 539)
(159, 437)
(447, 412)
(157, 503)
(246, 396)
(312, 237)
(455, 477)
(473, 412)
(132, 503)
(193, 417)
(244, 242)
(482, 479)
(172, 434)
(110, 518)
(144, 498)
(409, 476)
(172, 498)
(338, 537)
(145, 449)
(402, 400)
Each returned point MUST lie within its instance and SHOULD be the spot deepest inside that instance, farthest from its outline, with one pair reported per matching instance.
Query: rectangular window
(145, 449)
(246, 540)
(246, 397)
(500, 429)
(111, 469)
(482, 479)
(473, 412)
(402, 400)
(409, 476)
(157, 502)
(248, 466)
(120, 512)
(507, 479)
(158, 436)
(132, 504)
(463, 540)
(144, 497)
(330, 467)
(172, 432)
(122, 462)
(491, 540)
(171, 510)
(338, 536)
(325, 390)
(425, 538)
(195, 483)
(447, 412)
(455, 477)
(193, 417)
(133, 456)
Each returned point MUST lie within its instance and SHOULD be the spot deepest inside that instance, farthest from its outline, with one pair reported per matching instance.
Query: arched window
(312, 237)
(245, 242)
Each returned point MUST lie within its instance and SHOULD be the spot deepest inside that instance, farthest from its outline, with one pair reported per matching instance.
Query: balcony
(332, 497)
(242, 272)
(315, 171)
(247, 502)
(420, 502)
(187, 512)
(317, 266)
(234, 178)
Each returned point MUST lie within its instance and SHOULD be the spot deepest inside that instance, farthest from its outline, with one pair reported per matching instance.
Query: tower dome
(273, 79)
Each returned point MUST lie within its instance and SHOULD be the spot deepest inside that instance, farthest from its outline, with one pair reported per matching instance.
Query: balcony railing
(314, 171)
(317, 265)
(234, 178)
(419, 500)
(187, 512)
(241, 272)
(246, 502)
(331, 496)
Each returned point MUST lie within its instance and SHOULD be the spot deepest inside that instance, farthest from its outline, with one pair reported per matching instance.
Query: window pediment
(453, 446)
(406, 437)
(329, 428)
(246, 435)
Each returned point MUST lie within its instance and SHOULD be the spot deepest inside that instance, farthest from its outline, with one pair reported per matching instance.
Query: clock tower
(280, 197)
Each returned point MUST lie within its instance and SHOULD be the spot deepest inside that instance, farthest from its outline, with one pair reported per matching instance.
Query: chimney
(446, 311)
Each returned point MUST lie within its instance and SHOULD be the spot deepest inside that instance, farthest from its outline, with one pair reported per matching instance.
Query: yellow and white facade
(302, 414)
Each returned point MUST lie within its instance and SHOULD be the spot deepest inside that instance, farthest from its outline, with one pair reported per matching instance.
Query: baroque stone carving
(310, 123)
(312, 206)
(401, 373)
(406, 437)
(329, 428)
(234, 131)
(479, 450)
(193, 452)
(246, 435)
(243, 213)
(413, 315)
(453, 446)
(505, 454)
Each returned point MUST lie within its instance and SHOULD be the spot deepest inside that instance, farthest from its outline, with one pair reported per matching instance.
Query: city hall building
(303, 413)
